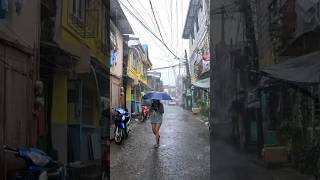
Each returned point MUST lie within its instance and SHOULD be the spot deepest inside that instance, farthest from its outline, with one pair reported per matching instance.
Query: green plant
(204, 106)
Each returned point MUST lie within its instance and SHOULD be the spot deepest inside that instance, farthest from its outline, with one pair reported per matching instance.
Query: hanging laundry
(113, 56)
(4, 6)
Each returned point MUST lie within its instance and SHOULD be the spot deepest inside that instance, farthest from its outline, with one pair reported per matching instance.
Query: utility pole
(252, 53)
(223, 22)
(187, 68)
(179, 69)
(250, 34)
(188, 76)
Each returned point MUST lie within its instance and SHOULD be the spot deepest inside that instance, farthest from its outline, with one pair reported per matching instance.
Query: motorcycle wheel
(118, 136)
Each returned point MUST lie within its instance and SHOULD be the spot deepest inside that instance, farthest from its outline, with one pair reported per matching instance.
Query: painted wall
(115, 92)
(23, 27)
(59, 98)
(138, 73)
(70, 37)
(128, 96)
(59, 115)
(117, 68)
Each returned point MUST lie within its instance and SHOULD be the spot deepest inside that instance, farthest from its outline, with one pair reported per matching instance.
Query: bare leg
(154, 128)
(158, 125)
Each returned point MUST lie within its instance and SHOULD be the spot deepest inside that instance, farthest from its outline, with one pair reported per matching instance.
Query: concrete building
(154, 81)
(136, 65)
(119, 26)
(288, 37)
(75, 69)
(196, 29)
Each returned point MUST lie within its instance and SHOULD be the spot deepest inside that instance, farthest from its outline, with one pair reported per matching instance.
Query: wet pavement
(232, 164)
(184, 152)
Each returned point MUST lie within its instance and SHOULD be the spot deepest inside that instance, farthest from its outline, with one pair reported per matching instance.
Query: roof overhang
(203, 83)
(188, 26)
(301, 70)
(119, 18)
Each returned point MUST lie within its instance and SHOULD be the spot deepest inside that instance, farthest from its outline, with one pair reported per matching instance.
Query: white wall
(117, 68)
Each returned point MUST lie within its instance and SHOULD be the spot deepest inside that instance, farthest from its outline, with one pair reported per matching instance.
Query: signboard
(204, 63)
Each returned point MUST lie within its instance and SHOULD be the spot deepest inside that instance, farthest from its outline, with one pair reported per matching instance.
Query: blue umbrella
(157, 95)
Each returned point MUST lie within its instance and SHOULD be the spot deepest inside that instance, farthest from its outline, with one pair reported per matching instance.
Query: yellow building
(119, 25)
(79, 72)
(138, 63)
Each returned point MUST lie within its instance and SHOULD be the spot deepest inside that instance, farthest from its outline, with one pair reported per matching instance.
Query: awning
(303, 69)
(203, 83)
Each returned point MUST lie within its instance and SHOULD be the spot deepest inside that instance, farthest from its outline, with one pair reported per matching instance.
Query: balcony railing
(86, 22)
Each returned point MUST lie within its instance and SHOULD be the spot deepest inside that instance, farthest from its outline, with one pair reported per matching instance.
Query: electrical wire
(155, 12)
(135, 10)
(148, 29)
(167, 67)
(161, 24)
(177, 29)
(171, 22)
(154, 16)
(168, 60)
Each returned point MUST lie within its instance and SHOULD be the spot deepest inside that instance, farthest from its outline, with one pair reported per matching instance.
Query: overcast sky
(171, 15)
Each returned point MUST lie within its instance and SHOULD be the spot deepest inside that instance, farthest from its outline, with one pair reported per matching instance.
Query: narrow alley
(183, 152)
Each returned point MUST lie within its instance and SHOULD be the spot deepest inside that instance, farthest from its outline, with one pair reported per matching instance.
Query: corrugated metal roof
(188, 26)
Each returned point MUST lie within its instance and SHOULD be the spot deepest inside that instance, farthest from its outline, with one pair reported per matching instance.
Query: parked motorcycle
(122, 120)
(145, 113)
(39, 166)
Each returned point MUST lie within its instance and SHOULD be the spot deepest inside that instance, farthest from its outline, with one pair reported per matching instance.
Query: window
(78, 9)
(135, 59)
(196, 23)
(113, 35)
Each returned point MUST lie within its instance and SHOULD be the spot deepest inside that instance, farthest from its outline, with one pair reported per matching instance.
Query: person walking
(157, 111)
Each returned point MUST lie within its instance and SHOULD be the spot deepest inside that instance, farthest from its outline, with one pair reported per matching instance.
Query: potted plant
(197, 108)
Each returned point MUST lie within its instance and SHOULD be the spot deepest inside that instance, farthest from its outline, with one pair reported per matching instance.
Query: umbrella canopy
(157, 95)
